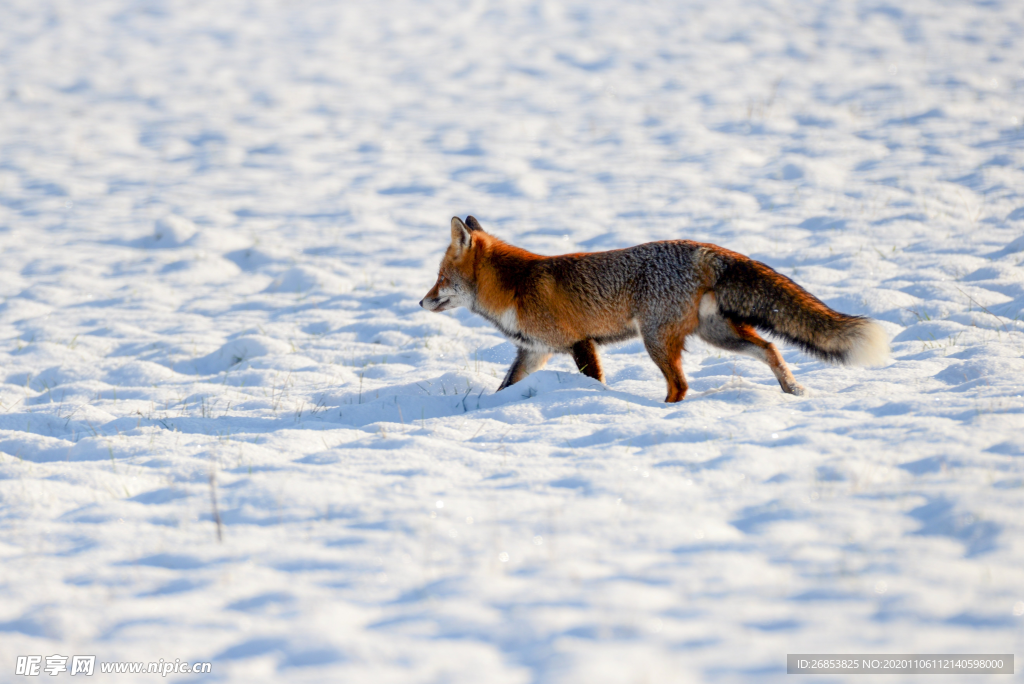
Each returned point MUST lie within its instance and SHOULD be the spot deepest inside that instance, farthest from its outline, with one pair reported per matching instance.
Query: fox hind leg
(666, 350)
(527, 361)
(761, 348)
(718, 330)
(584, 353)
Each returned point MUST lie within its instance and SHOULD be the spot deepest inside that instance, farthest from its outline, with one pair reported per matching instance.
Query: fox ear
(461, 237)
(472, 223)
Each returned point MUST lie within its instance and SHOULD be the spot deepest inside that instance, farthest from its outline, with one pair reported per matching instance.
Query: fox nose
(421, 301)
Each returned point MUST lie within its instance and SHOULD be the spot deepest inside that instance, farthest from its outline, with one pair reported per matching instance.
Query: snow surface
(217, 219)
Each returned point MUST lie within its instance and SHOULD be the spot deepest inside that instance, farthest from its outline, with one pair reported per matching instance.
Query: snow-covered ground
(217, 219)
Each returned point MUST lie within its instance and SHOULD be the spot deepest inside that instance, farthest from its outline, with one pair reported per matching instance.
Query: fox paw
(795, 390)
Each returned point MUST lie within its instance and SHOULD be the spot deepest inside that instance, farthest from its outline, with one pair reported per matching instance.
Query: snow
(216, 221)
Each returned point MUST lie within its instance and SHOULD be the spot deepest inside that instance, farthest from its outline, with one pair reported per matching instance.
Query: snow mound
(233, 353)
(454, 394)
(302, 279)
(170, 231)
(250, 259)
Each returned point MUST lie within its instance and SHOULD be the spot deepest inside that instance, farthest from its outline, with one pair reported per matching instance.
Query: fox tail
(753, 293)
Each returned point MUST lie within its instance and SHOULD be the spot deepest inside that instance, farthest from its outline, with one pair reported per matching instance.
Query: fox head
(455, 286)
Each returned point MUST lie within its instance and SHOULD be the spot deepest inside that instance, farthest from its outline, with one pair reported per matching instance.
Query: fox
(662, 292)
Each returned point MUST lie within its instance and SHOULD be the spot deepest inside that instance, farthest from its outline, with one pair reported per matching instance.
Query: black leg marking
(584, 353)
(527, 361)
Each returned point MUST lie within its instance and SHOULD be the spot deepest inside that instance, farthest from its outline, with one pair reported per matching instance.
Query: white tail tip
(870, 346)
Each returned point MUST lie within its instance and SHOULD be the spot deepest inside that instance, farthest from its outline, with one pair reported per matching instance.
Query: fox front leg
(584, 353)
(527, 361)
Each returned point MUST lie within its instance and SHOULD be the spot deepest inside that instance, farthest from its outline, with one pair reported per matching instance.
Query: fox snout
(433, 302)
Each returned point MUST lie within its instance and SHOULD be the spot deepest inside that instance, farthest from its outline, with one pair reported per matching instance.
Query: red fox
(661, 291)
